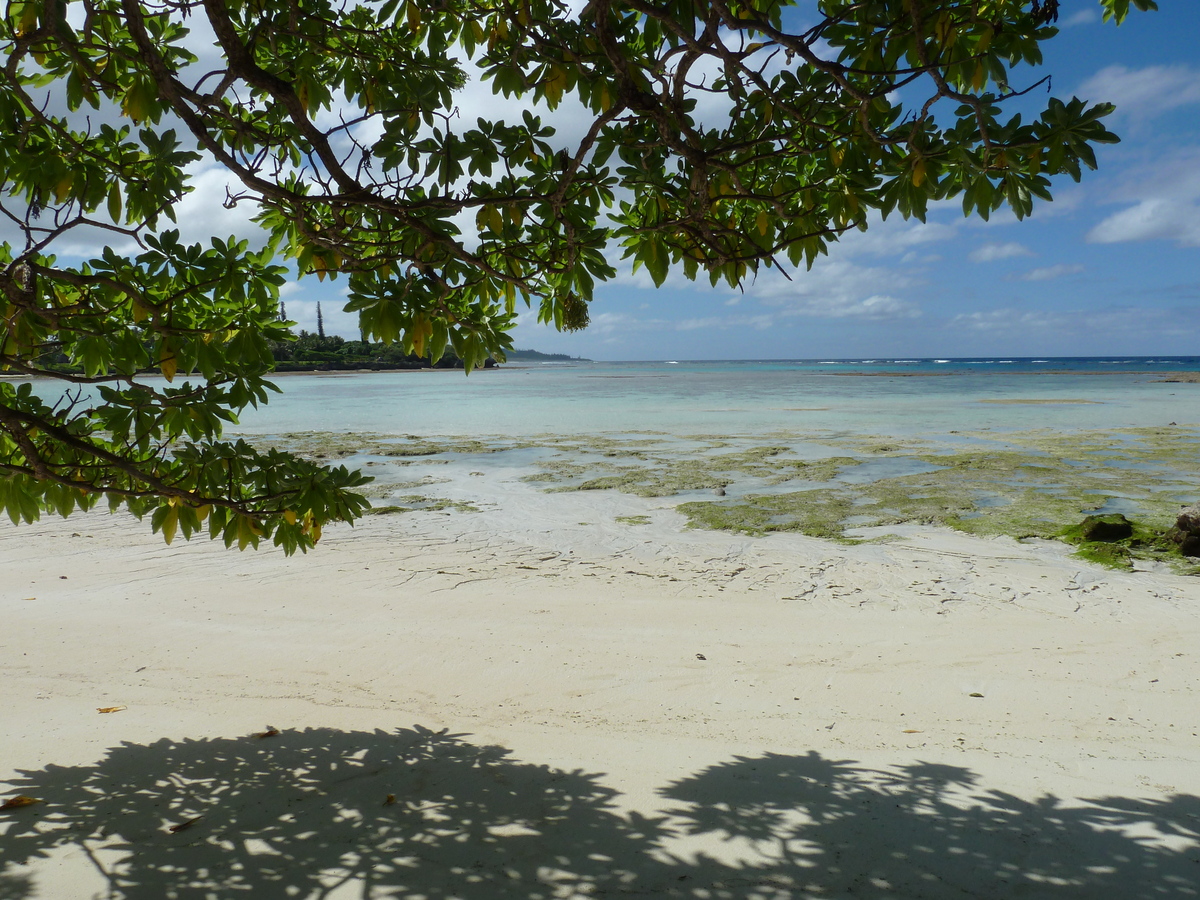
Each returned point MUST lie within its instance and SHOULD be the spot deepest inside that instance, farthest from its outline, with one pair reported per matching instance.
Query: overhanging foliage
(719, 136)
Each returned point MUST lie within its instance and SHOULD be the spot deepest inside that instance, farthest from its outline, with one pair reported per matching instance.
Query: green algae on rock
(1115, 541)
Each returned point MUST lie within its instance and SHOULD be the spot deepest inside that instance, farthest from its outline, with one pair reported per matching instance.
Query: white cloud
(1157, 218)
(607, 323)
(618, 323)
(992, 252)
(875, 307)
(641, 279)
(894, 236)
(1009, 320)
(839, 286)
(303, 311)
(1083, 17)
(202, 214)
(1144, 93)
(761, 322)
(1048, 273)
(1165, 203)
(696, 324)
(1102, 323)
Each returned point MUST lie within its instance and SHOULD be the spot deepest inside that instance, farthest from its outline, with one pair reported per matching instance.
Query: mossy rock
(1141, 542)
(1106, 529)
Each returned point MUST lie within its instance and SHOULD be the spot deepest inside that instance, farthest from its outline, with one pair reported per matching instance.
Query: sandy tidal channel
(540, 701)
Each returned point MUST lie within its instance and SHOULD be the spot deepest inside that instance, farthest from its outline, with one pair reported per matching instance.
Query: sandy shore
(542, 702)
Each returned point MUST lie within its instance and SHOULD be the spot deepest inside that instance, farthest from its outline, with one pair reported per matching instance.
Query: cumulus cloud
(202, 214)
(1048, 273)
(1156, 218)
(199, 216)
(1004, 320)
(875, 307)
(893, 237)
(1144, 93)
(839, 288)
(845, 286)
(1083, 17)
(992, 252)
(697, 324)
(1165, 204)
(303, 311)
(1127, 321)
(620, 323)
(761, 322)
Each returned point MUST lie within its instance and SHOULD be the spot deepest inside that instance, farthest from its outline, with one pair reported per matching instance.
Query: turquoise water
(880, 397)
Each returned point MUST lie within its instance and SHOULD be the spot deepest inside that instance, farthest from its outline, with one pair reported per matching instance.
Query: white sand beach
(677, 713)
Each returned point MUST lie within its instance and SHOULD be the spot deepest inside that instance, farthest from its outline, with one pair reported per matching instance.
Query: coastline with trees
(321, 352)
(311, 352)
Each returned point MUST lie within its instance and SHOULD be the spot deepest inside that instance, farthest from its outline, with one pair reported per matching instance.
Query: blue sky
(1112, 266)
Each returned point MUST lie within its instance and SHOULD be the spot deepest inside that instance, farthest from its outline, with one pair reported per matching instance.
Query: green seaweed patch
(599, 444)
(873, 445)
(634, 520)
(389, 488)
(665, 476)
(817, 513)
(645, 481)
(322, 445)
(419, 503)
(996, 492)
(1022, 484)
(1145, 542)
(388, 510)
(1111, 556)
(423, 447)
(559, 470)
(1143, 445)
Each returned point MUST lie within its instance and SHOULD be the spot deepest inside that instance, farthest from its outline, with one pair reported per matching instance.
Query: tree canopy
(716, 136)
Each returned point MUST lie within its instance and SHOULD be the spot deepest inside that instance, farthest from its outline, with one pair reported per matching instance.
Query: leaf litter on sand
(18, 802)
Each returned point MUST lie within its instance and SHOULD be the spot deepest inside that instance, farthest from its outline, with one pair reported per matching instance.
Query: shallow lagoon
(864, 452)
(826, 448)
(730, 398)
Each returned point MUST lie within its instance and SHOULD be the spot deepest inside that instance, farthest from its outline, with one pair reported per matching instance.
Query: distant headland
(537, 356)
(320, 353)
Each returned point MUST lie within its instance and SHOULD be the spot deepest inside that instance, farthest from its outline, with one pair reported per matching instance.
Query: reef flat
(838, 486)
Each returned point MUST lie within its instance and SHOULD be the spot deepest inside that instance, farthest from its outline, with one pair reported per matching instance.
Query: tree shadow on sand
(324, 813)
(929, 831)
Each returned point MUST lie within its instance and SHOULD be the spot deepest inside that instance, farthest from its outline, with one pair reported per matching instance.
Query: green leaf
(114, 202)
